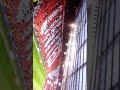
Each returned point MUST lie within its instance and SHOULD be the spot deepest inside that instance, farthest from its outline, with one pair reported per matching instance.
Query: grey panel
(108, 4)
(111, 23)
(105, 30)
(117, 17)
(116, 62)
(97, 75)
(108, 72)
(102, 78)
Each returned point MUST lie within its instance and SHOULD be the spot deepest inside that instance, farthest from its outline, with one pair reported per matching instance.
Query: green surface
(7, 74)
(10, 78)
(39, 74)
(35, 0)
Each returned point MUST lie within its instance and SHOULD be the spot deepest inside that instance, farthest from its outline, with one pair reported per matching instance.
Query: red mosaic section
(19, 30)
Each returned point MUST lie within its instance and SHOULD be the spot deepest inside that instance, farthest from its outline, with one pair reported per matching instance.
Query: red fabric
(54, 34)
(46, 9)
